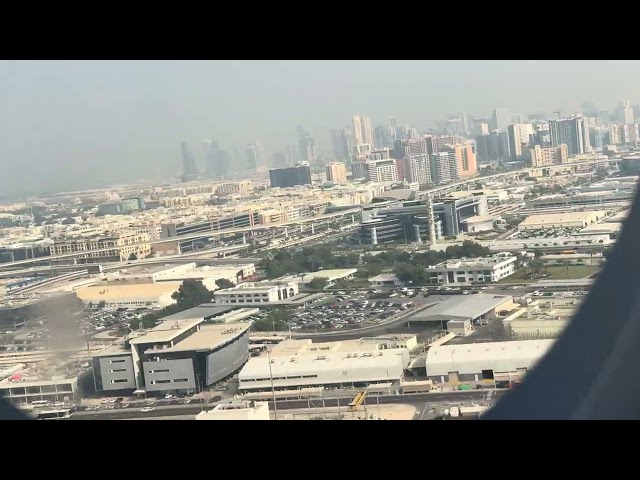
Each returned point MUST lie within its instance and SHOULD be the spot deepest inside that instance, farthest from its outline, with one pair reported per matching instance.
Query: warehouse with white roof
(299, 363)
(484, 361)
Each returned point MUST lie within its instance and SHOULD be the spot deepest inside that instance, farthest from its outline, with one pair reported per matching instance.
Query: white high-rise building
(417, 168)
(375, 170)
(573, 132)
(362, 130)
(625, 112)
(444, 167)
(519, 137)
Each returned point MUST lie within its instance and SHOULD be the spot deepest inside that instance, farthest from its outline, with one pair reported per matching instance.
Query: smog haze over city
(83, 124)
(302, 240)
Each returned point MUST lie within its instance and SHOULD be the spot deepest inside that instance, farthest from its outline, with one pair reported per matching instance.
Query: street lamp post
(273, 391)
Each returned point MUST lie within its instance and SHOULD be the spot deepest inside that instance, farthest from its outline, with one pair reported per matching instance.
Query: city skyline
(90, 119)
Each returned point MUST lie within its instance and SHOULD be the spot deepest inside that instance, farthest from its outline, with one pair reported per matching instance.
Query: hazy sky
(75, 124)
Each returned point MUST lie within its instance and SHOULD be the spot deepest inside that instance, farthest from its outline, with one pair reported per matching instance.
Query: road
(420, 400)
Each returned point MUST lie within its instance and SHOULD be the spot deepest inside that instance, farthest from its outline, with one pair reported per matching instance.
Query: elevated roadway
(456, 397)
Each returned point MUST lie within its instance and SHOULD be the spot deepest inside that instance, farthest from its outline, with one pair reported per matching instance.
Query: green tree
(413, 274)
(319, 283)
(223, 283)
(102, 304)
(133, 256)
(190, 294)
(275, 321)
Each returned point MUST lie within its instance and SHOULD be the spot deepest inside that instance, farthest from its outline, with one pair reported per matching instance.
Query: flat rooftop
(34, 382)
(296, 365)
(562, 217)
(331, 275)
(478, 218)
(204, 311)
(149, 269)
(303, 347)
(461, 307)
(620, 216)
(208, 337)
(111, 350)
(258, 285)
(166, 331)
(610, 227)
(298, 300)
(136, 290)
(472, 262)
(473, 352)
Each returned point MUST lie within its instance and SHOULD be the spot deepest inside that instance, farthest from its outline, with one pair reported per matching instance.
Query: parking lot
(348, 309)
(544, 233)
(359, 308)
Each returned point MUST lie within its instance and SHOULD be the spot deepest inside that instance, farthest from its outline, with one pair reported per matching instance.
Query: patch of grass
(572, 272)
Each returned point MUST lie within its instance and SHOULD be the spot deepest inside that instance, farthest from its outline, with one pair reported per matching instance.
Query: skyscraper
(494, 146)
(414, 146)
(290, 176)
(573, 133)
(465, 123)
(541, 157)
(444, 167)
(625, 112)
(467, 165)
(189, 168)
(222, 163)
(307, 146)
(336, 172)
(382, 170)
(210, 151)
(385, 136)
(417, 168)
(289, 155)
(255, 155)
(518, 138)
(342, 141)
(362, 131)
(501, 118)
(482, 150)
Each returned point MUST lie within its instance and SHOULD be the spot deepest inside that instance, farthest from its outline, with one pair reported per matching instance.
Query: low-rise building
(386, 280)
(208, 274)
(178, 355)
(466, 271)
(258, 292)
(498, 361)
(477, 223)
(460, 328)
(23, 389)
(132, 296)
(330, 275)
(106, 248)
(301, 363)
(241, 187)
(473, 308)
(561, 220)
(237, 410)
